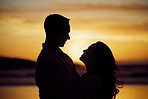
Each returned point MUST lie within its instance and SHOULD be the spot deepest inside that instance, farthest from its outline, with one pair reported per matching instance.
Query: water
(18, 92)
(31, 92)
(133, 92)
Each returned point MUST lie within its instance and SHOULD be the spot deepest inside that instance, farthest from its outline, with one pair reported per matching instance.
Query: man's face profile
(63, 35)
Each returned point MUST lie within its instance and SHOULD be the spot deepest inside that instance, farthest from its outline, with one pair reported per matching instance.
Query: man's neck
(50, 44)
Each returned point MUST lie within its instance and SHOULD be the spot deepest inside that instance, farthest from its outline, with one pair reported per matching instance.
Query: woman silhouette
(99, 82)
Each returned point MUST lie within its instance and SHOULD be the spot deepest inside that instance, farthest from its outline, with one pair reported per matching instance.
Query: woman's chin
(80, 58)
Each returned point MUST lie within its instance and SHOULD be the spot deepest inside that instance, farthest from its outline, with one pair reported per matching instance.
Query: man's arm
(57, 81)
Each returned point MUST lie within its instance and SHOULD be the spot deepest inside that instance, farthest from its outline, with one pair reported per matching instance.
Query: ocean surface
(133, 75)
(31, 92)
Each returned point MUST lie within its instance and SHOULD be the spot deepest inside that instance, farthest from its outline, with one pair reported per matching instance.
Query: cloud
(132, 27)
(17, 20)
(110, 25)
(87, 7)
(76, 7)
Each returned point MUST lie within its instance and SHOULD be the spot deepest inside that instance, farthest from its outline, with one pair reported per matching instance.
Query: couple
(56, 75)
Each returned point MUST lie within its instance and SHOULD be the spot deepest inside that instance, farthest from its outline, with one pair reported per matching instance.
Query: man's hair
(55, 22)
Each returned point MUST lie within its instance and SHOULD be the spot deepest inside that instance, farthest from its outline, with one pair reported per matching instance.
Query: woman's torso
(93, 87)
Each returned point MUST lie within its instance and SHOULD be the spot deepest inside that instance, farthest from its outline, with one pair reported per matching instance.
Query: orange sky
(121, 24)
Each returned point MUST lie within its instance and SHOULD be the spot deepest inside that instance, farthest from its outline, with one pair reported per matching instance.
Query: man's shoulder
(47, 56)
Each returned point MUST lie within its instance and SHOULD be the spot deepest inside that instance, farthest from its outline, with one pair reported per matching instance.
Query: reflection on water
(31, 92)
(133, 92)
(18, 92)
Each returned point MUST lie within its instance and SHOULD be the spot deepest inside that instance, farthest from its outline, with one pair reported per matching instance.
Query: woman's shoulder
(91, 83)
(91, 77)
(86, 75)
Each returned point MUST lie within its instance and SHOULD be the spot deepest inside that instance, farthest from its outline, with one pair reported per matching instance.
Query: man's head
(57, 29)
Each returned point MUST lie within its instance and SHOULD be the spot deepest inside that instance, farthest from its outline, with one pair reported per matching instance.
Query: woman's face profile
(88, 55)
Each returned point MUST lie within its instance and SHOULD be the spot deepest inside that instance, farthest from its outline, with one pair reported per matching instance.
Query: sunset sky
(121, 24)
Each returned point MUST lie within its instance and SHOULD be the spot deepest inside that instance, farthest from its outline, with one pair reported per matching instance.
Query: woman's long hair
(105, 65)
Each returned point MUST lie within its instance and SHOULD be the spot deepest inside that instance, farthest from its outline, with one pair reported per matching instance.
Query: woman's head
(98, 57)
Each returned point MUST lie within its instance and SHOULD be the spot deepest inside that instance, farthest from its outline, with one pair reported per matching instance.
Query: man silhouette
(56, 76)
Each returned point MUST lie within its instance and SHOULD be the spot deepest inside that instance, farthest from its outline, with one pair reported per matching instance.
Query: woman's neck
(90, 68)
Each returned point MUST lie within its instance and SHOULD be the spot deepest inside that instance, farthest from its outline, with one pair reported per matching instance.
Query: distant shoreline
(22, 72)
